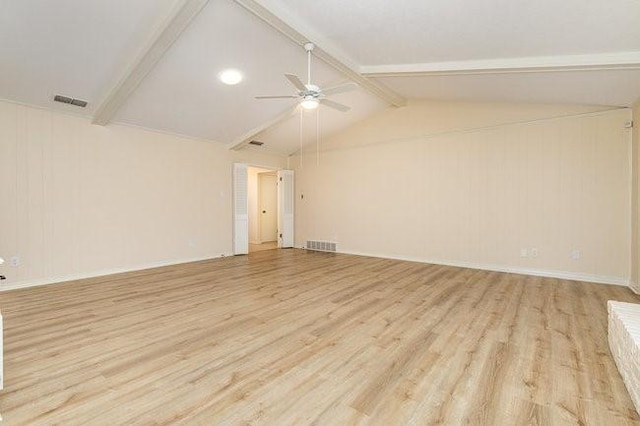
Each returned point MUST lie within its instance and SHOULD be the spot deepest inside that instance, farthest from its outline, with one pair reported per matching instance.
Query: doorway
(263, 209)
(268, 207)
(247, 209)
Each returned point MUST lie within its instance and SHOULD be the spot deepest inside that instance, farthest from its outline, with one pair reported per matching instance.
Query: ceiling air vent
(256, 143)
(70, 101)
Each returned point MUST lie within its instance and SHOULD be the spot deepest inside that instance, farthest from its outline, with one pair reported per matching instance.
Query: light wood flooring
(289, 337)
(271, 245)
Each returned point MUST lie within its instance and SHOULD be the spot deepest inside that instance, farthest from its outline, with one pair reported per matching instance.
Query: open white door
(285, 208)
(240, 209)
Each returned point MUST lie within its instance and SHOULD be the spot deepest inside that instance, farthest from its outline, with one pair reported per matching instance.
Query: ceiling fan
(311, 95)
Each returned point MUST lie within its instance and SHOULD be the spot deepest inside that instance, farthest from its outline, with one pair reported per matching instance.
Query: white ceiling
(70, 47)
(442, 49)
(374, 32)
(183, 95)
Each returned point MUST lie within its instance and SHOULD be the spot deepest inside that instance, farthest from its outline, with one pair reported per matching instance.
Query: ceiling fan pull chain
(308, 67)
(300, 137)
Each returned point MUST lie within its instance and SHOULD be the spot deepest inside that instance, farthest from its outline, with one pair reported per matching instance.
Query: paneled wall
(535, 189)
(79, 200)
(635, 201)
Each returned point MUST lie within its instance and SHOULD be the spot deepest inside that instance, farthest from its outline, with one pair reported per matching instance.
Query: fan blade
(334, 105)
(339, 89)
(296, 82)
(277, 97)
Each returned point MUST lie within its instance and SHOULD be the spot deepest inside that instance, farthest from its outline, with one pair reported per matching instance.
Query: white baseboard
(565, 275)
(634, 287)
(486, 267)
(74, 277)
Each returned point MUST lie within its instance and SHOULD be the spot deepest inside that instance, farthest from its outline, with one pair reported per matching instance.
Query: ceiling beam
(244, 140)
(158, 45)
(600, 61)
(293, 33)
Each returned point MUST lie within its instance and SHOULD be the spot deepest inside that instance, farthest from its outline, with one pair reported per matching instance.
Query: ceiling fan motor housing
(312, 90)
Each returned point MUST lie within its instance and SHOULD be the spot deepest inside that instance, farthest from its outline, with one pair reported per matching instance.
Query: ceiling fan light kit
(310, 95)
(309, 102)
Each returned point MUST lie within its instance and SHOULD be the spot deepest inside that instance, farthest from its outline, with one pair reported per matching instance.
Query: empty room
(280, 212)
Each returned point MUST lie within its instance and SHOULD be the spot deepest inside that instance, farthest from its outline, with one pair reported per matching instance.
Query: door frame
(275, 176)
(241, 236)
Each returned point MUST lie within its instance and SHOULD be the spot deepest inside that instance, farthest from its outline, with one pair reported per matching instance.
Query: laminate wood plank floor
(272, 245)
(289, 337)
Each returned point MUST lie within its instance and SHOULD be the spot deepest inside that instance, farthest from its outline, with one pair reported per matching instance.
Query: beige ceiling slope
(601, 79)
(160, 43)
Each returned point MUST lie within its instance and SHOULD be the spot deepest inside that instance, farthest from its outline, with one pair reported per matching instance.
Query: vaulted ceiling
(154, 63)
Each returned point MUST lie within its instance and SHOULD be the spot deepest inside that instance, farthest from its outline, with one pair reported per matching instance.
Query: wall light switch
(575, 254)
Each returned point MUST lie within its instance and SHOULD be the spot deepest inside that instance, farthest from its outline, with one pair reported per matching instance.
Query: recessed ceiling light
(230, 77)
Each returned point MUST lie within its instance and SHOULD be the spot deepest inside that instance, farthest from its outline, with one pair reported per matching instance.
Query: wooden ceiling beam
(244, 140)
(158, 45)
(590, 62)
(323, 53)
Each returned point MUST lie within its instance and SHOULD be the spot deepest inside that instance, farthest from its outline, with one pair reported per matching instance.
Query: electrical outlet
(534, 252)
(14, 261)
(575, 254)
(523, 252)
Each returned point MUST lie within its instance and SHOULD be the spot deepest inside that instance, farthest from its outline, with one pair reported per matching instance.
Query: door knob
(264, 211)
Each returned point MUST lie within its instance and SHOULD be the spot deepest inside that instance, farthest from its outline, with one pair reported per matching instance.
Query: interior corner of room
(417, 163)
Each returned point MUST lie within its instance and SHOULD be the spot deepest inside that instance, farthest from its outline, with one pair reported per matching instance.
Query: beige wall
(80, 200)
(473, 184)
(635, 202)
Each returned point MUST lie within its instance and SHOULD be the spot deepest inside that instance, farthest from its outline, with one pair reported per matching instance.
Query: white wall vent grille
(321, 245)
